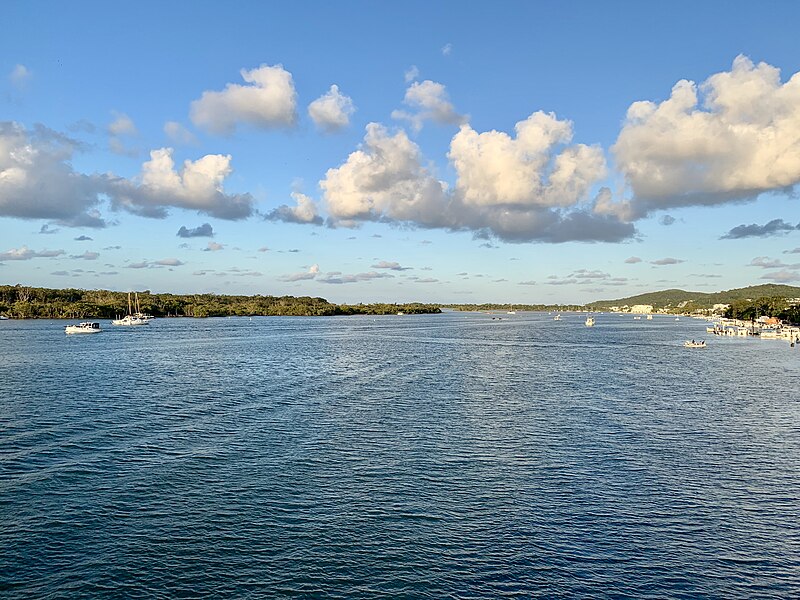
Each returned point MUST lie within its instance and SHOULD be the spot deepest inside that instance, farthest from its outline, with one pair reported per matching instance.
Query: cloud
(427, 280)
(783, 276)
(139, 265)
(666, 220)
(338, 278)
(795, 251)
(86, 255)
(774, 227)
(45, 230)
(495, 169)
(213, 247)
(198, 185)
(305, 211)
(20, 76)
(411, 74)
(122, 125)
(632, 260)
(178, 134)
(331, 111)
(83, 238)
(312, 273)
(169, 262)
(25, 253)
(768, 263)
(731, 138)
(37, 180)
(392, 266)
(524, 189)
(666, 261)
(263, 249)
(268, 100)
(447, 49)
(204, 230)
(429, 102)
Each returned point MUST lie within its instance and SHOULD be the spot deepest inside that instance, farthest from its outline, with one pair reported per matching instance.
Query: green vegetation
(683, 301)
(24, 302)
(750, 310)
(519, 307)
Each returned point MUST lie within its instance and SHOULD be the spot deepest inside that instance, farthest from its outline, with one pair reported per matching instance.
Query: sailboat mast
(129, 303)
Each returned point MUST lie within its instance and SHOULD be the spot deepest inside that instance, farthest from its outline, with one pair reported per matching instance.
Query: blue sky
(469, 152)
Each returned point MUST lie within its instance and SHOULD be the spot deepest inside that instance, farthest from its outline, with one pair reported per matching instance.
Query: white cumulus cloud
(387, 180)
(428, 101)
(197, 185)
(304, 211)
(731, 138)
(37, 180)
(331, 111)
(267, 100)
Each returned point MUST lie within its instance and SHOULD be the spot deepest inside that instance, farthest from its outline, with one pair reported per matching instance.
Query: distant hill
(673, 298)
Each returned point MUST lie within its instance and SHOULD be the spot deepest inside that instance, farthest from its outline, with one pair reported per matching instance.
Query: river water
(434, 456)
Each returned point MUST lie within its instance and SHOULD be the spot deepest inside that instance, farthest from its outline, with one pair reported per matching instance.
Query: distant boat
(589, 321)
(132, 318)
(693, 344)
(649, 317)
(511, 310)
(557, 318)
(3, 318)
(85, 327)
(637, 318)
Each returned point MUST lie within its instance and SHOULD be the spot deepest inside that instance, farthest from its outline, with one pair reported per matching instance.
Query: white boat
(557, 318)
(85, 327)
(589, 321)
(693, 344)
(649, 317)
(132, 318)
(129, 320)
(3, 318)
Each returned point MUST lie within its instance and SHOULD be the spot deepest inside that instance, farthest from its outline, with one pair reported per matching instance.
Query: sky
(453, 152)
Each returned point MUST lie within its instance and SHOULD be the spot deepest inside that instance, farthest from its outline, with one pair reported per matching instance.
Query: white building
(642, 308)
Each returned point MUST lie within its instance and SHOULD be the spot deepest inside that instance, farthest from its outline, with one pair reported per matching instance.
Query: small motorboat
(589, 322)
(85, 327)
(693, 344)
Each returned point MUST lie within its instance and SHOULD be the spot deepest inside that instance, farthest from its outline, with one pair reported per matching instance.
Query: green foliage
(772, 306)
(24, 302)
(519, 307)
(700, 300)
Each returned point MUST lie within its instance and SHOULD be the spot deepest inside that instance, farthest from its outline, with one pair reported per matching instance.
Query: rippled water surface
(421, 456)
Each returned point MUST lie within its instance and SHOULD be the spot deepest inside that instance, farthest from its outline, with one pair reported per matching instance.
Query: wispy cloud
(393, 266)
(25, 253)
(311, 273)
(666, 261)
(204, 230)
(774, 227)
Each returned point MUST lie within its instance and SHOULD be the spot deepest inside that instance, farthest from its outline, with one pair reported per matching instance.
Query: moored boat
(589, 321)
(85, 327)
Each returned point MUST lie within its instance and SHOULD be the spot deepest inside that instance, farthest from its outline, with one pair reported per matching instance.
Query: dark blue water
(441, 456)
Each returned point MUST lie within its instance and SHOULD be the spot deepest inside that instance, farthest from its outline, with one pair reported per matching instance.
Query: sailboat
(131, 318)
(511, 310)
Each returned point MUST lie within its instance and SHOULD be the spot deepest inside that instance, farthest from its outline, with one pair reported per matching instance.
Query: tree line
(772, 306)
(24, 302)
